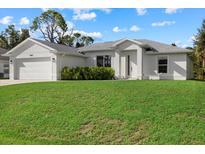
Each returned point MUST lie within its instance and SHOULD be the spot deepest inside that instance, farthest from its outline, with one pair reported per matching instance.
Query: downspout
(51, 68)
(142, 65)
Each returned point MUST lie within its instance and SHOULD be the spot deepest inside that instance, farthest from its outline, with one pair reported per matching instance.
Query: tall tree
(87, 40)
(11, 37)
(54, 29)
(52, 25)
(77, 38)
(24, 34)
(3, 42)
(82, 40)
(199, 53)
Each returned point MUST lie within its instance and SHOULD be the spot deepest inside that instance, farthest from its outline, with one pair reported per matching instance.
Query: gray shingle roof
(98, 46)
(159, 47)
(162, 47)
(3, 51)
(60, 48)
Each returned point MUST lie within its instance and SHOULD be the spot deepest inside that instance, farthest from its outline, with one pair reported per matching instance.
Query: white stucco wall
(133, 64)
(190, 74)
(135, 52)
(69, 61)
(32, 52)
(177, 67)
(149, 66)
(119, 59)
(92, 61)
(1, 66)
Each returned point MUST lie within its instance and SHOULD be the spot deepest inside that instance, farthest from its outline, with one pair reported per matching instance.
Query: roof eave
(65, 53)
(123, 40)
(5, 55)
(106, 49)
(175, 52)
(22, 43)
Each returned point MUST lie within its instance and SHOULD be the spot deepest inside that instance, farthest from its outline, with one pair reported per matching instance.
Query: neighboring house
(4, 64)
(131, 59)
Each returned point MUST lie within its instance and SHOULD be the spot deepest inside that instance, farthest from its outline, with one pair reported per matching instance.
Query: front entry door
(128, 66)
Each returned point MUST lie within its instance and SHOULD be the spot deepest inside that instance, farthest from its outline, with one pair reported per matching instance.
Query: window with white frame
(104, 61)
(162, 64)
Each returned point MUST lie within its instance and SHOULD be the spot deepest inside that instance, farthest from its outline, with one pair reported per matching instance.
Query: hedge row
(87, 73)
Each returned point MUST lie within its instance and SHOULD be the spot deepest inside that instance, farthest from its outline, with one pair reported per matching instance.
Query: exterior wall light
(53, 59)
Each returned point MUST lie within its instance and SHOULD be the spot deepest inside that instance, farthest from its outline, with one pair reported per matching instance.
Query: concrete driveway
(11, 82)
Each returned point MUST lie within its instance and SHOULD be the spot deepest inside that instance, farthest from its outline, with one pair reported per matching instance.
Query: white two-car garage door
(33, 69)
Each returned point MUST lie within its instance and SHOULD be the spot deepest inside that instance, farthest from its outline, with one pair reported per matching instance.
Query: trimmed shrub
(65, 73)
(87, 73)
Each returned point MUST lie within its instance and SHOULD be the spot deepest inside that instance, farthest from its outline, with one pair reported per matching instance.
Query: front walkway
(11, 82)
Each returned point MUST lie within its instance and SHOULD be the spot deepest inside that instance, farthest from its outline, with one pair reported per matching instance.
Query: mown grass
(103, 112)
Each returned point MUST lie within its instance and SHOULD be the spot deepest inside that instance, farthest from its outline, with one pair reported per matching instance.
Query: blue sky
(164, 25)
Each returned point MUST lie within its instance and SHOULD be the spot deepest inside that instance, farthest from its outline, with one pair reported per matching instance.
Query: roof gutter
(108, 49)
(175, 52)
(65, 53)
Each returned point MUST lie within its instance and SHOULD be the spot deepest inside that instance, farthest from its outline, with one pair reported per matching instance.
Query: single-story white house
(130, 58)
(4, 64)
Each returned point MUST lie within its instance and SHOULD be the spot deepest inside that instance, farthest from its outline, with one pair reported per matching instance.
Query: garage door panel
(36, 68)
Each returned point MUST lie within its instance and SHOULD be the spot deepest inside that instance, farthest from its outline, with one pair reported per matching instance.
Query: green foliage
(3, 42)
(199, 53)
(12, 37)
(52, 25)
(81, 40)
(54, 29)
(87, 73)
(24, 34)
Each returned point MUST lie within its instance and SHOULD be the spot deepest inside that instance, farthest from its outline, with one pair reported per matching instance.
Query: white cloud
(184, 46)
(134, 28)
(6, 20)
(171, 10)
(44, 9)
(163, 23)
(117, 29)
(106, 10)
(95, 35)
(24, 21)
(141, 11)
(87, 14)
(192, 39)
(70, 24)
(186, 43)
(83, 14)
(180, 44)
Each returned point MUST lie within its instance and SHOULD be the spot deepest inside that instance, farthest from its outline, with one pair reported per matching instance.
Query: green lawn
(103, 112)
